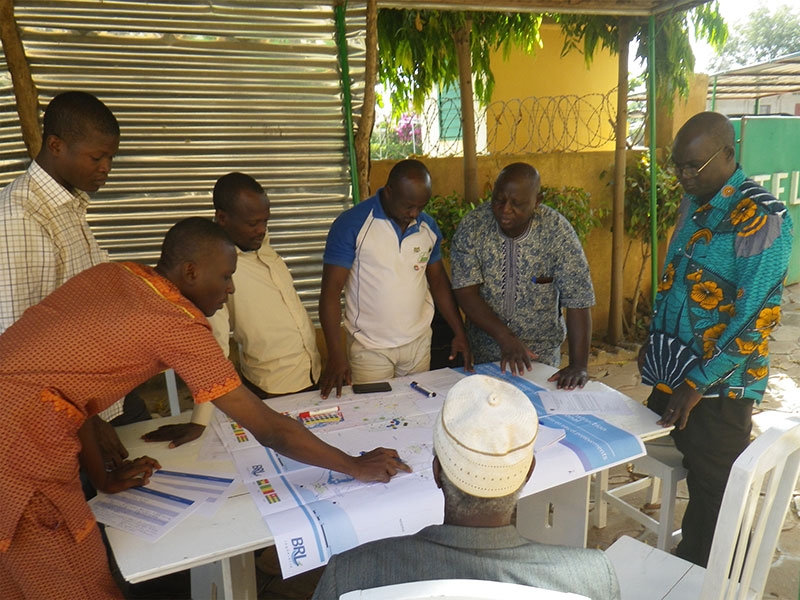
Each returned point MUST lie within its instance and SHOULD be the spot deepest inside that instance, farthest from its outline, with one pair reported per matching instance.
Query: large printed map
(314, 512)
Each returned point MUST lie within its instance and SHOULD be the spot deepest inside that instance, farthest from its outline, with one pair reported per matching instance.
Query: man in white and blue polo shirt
(385, 254)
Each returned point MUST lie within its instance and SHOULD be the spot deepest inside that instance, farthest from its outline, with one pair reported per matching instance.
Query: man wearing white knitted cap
(483, 443)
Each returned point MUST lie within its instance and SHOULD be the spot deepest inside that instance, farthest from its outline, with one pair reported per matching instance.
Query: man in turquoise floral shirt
(707, 355)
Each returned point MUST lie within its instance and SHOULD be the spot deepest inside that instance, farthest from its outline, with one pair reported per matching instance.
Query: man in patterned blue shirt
(707, 355)
(516, 264)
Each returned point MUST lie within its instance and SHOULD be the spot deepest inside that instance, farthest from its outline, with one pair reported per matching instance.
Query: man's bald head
(704, 154)
(406, 193)
(520, 172)
(408, 169)
(712, 124)
(191, 240)
(515, 197)
(199, 258)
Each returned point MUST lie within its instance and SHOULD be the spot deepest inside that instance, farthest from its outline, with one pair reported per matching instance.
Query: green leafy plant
(572, 202)
(448, 212)
(420, 51)
(637, 201)
(674, 58)
(638, 225)
(575, 204)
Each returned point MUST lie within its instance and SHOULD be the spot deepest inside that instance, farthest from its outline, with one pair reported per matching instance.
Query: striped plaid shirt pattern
(44, 240)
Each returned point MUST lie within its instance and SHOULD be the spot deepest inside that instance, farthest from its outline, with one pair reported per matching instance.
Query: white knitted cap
(484, 436)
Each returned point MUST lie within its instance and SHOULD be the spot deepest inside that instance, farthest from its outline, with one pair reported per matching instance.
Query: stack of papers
(152, 510)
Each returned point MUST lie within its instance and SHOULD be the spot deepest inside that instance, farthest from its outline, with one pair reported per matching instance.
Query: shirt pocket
(535, 281)
(541, 294)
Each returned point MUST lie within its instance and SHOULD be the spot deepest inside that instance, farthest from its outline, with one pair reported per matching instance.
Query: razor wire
(532, 125)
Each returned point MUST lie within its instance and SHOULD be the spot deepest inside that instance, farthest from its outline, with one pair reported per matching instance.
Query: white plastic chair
(745, 537)
(458, 589)
(663, 464)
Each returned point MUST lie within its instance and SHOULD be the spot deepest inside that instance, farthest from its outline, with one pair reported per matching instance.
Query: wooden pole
(25, 92)
(340, 16)
(367, 120)
(618, 208)
(462, 39)
(651, 111)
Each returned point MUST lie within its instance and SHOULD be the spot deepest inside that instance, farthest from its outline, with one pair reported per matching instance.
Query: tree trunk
(464, 58)
(618, 209)
(25, 92)
(367, 120)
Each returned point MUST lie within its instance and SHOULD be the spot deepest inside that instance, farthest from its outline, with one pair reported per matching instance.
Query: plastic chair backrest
(748, 526)
(458, 589)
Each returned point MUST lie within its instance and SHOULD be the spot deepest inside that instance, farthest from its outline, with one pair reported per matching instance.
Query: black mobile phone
(366, 388)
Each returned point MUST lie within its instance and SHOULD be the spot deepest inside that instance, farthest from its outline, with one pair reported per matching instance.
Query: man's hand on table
(516, 355)
(460, 345)
(680, 404)
(112, 449)
(336, 375)
(131, 473)
(176, 435)
(570, 377)
(380, 464)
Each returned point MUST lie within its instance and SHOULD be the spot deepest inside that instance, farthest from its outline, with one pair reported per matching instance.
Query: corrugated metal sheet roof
(772, 78)
(201, 89)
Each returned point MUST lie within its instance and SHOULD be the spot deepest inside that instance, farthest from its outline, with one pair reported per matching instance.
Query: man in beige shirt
(277, 339)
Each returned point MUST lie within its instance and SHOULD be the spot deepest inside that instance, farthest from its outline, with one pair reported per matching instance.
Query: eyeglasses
(692, 172)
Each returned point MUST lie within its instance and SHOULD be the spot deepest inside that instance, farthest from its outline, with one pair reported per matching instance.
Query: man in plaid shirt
(44, 236)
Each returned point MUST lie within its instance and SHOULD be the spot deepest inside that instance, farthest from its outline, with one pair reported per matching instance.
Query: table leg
(232, 578)
(559, 515)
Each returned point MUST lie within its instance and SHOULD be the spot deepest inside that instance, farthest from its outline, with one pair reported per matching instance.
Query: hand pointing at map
(290, 438)
(380, 464)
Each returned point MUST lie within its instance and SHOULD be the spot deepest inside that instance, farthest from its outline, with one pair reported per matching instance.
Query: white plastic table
(218, 550)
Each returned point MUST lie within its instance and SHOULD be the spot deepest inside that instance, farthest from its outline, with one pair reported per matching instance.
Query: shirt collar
(164, 288)
(536, 215)
(265, 251)
(478, 538)
(62, 197)
(723, 197)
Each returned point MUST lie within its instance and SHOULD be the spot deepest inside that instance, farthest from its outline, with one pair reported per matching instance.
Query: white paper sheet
(572, 402)
(212, 448)
(142, 511)
(212, 490)
(547, 436)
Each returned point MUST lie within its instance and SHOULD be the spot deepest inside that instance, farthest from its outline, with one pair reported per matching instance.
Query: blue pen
(422, 390)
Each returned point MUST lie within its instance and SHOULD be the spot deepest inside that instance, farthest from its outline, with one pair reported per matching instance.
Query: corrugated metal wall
(201, 89)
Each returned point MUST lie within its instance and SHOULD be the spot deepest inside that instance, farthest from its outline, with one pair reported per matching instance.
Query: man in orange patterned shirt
(88, 343)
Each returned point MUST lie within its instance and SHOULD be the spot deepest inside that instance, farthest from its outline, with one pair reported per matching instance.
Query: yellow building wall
(542, 95)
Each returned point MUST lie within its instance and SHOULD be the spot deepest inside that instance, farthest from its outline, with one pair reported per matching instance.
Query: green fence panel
(769, 152)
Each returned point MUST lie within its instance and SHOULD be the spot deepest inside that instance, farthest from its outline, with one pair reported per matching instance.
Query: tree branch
(25, 92)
